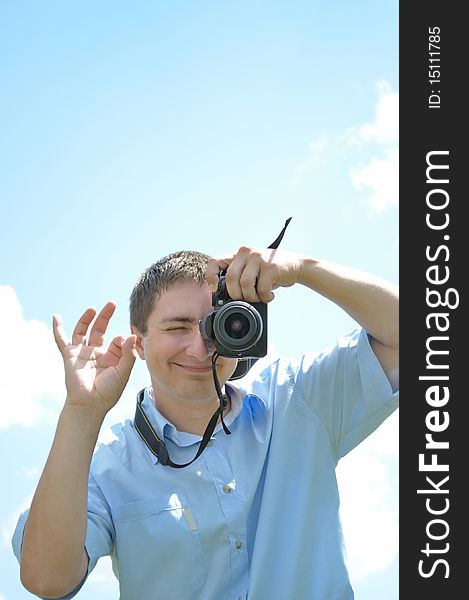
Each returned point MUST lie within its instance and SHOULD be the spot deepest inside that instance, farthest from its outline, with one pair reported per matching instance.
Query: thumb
(59, 333)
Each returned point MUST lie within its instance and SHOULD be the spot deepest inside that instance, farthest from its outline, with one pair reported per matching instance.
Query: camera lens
(237, 326)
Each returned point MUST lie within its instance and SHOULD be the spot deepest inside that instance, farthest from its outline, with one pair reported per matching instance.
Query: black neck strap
(155, 443)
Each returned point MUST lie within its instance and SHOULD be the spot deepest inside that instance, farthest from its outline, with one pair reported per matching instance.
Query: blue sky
(130, 130)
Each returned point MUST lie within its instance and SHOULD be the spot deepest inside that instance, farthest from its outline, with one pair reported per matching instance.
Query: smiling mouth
(195, 368)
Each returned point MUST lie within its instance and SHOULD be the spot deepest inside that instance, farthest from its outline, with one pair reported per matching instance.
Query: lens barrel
(237, 326)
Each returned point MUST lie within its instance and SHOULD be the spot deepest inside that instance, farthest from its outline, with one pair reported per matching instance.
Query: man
(256, 515)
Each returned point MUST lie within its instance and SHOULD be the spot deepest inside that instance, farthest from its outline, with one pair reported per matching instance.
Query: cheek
(163, 348)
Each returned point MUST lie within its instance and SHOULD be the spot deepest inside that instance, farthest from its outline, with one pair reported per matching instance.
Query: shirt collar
(165, 429)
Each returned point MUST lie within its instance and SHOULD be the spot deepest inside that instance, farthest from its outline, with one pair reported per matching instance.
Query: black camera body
(237, 329)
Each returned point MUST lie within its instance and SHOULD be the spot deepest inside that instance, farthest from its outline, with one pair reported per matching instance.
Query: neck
(189, 415)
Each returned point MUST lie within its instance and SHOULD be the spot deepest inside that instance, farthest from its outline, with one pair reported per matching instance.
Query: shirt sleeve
(347, 389)
(99, 535)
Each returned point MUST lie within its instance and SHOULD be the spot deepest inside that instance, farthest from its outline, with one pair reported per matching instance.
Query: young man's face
(177, 357)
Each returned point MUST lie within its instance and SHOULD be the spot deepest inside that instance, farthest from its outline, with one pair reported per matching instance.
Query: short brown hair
(185, 265)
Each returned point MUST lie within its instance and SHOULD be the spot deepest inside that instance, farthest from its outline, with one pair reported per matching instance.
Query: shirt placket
(233, 507)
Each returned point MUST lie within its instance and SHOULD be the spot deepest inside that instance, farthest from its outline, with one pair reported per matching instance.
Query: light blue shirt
(257, 515)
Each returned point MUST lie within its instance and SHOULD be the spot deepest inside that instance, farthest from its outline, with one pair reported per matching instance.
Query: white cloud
(375, 148)
(384, 130)
(368, 482)
(380, 175)
(31, 386)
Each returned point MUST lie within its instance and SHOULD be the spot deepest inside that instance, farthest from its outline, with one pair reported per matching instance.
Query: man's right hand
(94, 377)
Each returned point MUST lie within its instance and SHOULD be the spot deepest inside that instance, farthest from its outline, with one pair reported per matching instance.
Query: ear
(139, 342)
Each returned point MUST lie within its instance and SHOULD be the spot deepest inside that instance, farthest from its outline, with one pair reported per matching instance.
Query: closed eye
(179, 323)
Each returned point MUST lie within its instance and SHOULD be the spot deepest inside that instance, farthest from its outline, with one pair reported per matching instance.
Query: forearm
(372, 302)
(53, 559)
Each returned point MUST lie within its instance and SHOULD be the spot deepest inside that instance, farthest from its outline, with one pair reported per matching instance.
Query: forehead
(189, 300)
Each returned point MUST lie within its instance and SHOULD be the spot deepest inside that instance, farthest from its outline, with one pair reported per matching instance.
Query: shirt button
(238, 544)
(209, 443)
(227, 488)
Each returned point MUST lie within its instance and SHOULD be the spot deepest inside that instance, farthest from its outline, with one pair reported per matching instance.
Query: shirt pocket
(158, 549)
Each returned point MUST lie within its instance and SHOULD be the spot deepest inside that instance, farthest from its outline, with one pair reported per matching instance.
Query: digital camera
(237, 329)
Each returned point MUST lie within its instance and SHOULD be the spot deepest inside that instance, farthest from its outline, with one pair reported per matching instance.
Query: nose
(199, 347)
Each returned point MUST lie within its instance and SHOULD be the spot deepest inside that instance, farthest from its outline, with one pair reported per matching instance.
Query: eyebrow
(178, 319)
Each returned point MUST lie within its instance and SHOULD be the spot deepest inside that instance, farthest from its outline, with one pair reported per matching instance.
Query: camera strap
(276, 243)
(147, 432)
(156, 445)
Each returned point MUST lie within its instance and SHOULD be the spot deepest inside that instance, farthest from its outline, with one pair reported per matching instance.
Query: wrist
(83, 417)
(306, 268)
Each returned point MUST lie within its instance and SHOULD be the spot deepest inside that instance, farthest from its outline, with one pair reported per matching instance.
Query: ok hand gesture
(94, 377)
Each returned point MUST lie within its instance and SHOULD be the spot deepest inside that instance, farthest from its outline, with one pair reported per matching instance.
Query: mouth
(198, 369)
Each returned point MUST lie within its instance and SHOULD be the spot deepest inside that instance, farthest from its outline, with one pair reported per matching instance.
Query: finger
(265, 284)
(129, 355)
(100, 325)
(214, 266)
(59, 333)
(81, 328)
(249, 278)
(233, 285)
(115, 347)
(242, 274)
(235, 271)
(129, 348)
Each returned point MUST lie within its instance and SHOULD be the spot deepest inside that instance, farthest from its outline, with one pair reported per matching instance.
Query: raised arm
(252, 275)
(54, 560)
